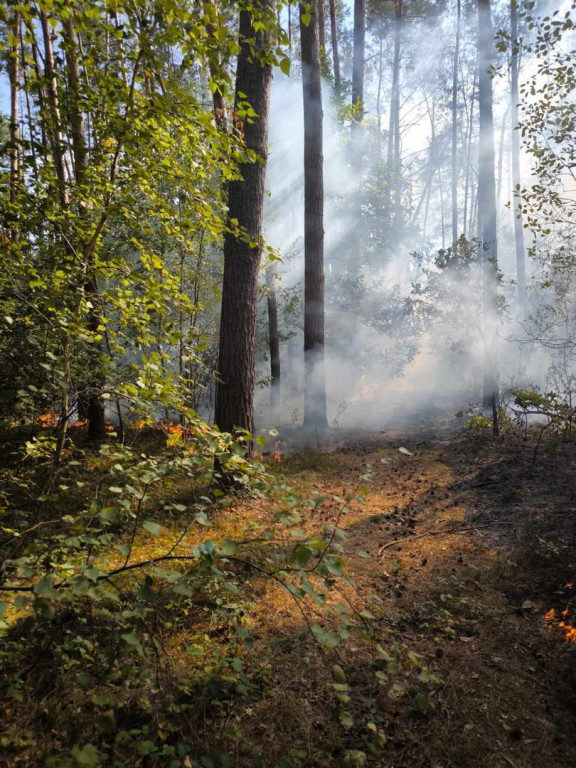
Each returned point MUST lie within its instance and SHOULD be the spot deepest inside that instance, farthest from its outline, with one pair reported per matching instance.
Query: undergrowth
(129, 580)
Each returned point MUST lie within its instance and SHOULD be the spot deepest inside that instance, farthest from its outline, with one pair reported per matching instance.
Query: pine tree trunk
(235, 387)
(334, 36)
(517, 200)
(14, 77)
(487, 209)
(455, 126)
(358, 57)
(273, 339)
(315, 379)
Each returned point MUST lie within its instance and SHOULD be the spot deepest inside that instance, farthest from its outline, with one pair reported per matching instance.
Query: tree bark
(321, 29)
(273, 339)
(517, 200)
(358, 58)
(14, 77)
(315, 380)
(242, 245)
(334, 36)
(54, 128)
(487, 209)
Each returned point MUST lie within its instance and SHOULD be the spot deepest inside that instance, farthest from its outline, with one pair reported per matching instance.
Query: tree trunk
(273, 339)
(455, 126)
(334, 36)
(321, 29)
(54, 129)
(517, 200)
(14, 77)
(394, 159)
(487, 209)
(315, 379)
(242, 246)
(358, 58)
(94, 404)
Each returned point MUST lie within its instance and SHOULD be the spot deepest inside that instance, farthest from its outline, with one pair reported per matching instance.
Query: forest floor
(471, 541)
(463, 552)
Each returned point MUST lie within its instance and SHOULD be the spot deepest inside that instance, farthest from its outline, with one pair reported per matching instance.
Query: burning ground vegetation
(440, 633)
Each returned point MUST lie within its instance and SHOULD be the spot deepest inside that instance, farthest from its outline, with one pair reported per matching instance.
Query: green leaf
(153, 528)
(88, 756)
(306, 18)
(324, 637)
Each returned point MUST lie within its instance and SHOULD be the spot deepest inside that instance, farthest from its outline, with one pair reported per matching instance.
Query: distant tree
(315, 382)
(516, 181)
(487, 209)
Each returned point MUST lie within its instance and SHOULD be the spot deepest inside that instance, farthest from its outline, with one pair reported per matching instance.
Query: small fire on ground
(559, 620)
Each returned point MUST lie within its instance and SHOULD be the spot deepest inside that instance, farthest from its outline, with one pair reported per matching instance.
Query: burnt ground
(471, 542)
(463, 553)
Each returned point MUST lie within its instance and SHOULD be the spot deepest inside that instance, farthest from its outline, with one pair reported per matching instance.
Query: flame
(568, 630)
(48, 420)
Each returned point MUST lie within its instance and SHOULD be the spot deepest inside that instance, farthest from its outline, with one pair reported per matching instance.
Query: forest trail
(471, 545)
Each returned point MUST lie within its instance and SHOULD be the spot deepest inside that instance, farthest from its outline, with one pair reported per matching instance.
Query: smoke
(404, 334)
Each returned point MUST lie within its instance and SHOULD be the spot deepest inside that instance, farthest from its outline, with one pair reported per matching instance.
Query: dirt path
(471, 546)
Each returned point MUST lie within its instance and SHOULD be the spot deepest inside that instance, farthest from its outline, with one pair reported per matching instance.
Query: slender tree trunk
(487, 209)
(322, 29)
(334, 36)
(501, 147)
(235, 386)
(14, 77)
(214, 66)
(358, 58)
(516, 182)
(380, 77)
(273, 339)
(54, 128)
(315, 378)
(95, 407)
(455, 126)
(394, 159)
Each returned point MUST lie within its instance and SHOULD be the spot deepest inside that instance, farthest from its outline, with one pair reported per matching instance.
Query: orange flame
(48, 420)
(568, 630)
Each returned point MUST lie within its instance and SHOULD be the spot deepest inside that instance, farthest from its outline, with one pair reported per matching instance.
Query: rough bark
(242, 252)
(517, 200)
(315, 381)
(487, 209)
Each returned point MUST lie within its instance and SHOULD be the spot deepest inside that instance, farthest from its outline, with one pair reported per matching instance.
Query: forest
(287, 383)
